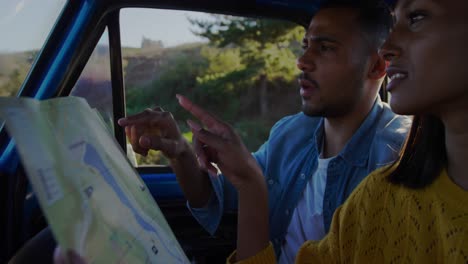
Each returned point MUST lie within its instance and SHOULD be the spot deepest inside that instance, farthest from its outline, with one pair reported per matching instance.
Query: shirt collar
(356, 151)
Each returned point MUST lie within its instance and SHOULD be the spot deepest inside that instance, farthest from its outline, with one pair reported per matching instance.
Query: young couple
(292, 195)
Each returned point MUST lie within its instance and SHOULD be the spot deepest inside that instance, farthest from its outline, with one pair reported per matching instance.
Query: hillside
(13, 69)
(215, 78)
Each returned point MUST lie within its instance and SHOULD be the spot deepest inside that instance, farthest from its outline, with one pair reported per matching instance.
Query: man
(312, 160)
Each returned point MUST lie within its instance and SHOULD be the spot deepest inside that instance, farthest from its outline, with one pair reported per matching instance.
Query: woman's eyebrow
(407, 4)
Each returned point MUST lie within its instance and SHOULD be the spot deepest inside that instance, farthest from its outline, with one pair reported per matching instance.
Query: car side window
(241, 69)
(24, 26)
(94, 83)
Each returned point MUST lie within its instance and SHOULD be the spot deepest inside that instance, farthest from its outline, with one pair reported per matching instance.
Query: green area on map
(94, 200)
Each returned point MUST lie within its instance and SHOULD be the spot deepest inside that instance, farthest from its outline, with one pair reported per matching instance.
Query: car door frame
(71, 43)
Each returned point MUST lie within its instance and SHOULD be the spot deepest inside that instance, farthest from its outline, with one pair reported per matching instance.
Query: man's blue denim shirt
(289, 159)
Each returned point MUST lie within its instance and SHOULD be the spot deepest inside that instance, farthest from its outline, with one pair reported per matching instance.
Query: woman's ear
(377, 69)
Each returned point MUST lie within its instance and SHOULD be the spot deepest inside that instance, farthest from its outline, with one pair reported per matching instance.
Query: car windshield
(24, 27)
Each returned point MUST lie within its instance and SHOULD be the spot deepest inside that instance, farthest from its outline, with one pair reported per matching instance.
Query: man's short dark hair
(374, 17)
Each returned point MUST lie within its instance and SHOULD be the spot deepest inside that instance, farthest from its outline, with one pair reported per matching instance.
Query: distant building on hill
(147, 43)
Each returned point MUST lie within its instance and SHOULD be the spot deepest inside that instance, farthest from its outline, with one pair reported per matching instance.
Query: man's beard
(336, 108)
(327, 111)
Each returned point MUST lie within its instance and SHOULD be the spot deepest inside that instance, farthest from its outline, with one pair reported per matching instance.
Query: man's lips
(308, 87)
(396, 75)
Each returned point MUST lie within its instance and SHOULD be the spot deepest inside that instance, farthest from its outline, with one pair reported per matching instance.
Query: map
(94, 200)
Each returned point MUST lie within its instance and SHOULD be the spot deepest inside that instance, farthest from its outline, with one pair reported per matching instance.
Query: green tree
(268, 48)
(247, 66)
(177, 74)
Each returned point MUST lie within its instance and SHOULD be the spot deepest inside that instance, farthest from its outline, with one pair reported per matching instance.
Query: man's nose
(305, 63)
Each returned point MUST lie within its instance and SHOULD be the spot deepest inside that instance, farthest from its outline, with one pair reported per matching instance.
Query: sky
(25, 24)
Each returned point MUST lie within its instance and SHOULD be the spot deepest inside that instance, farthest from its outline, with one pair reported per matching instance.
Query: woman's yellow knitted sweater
(386, 223)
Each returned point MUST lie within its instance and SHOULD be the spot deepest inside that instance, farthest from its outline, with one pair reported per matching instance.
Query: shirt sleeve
(209, 216)
(224, 197)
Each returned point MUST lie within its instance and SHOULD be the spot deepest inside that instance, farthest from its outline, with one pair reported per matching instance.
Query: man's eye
(416, 17)
(325, 48)
(304, 46)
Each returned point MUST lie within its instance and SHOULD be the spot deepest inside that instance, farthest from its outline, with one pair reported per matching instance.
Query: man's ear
(378, 66)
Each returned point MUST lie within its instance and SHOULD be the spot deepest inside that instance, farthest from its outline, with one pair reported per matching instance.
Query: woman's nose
(390, 49)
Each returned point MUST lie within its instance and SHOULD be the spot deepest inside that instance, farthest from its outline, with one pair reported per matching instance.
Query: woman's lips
(396, 76)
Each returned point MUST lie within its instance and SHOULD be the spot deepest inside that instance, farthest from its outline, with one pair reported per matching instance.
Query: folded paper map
(94, 200)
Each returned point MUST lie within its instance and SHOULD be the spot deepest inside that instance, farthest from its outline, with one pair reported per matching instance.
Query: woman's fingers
(199, 152)
(213, 140)
(203, 150)
(210, 121)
